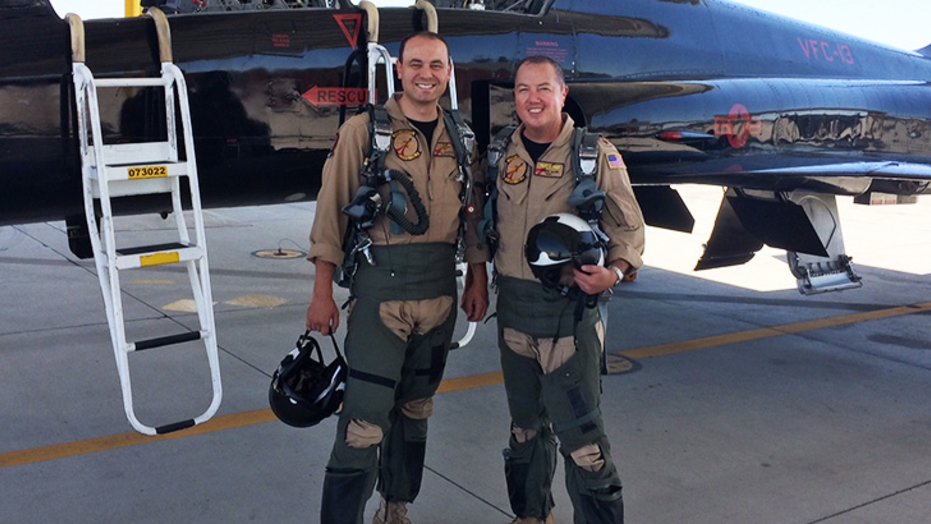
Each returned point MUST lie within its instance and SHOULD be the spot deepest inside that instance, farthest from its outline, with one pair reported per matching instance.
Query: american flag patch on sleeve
(614, 160)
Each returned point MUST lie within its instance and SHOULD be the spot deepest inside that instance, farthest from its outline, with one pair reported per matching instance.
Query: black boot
(344, 496)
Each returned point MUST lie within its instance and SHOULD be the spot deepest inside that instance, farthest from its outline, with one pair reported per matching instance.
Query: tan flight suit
(402, 316)
(551, 360)
(433, 168)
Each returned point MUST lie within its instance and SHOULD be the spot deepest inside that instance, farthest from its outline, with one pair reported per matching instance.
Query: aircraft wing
(896, 170)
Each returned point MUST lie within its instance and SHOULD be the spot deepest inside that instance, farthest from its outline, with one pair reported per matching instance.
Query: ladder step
(167, 340)
(168, 428)
(137, 153)
(150, 249)
(123, 188)
(146, 81)
(157, 255)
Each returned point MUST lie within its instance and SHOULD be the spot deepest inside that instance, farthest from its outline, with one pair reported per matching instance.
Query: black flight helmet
(304, 389)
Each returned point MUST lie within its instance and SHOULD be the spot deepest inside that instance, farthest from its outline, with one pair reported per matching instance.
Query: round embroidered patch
(405, 144)
(515, 170)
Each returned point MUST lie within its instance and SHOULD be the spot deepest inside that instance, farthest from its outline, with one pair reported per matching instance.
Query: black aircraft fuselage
(691, 91)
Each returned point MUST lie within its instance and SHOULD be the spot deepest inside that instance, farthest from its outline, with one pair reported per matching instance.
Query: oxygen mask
(364, 207)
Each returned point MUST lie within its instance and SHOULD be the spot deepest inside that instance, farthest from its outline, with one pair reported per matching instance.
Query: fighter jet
(785, 116)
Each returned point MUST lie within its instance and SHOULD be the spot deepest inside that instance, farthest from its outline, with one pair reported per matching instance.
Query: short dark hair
(429, 35)
(540, 59)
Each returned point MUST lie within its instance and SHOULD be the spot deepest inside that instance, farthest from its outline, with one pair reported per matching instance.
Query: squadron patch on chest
(444, 149)
(548, 169)
(405, 144)
(515, 170)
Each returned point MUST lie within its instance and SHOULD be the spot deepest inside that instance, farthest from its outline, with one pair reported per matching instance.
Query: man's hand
(594, 279)
(475, 295)
(322, 314)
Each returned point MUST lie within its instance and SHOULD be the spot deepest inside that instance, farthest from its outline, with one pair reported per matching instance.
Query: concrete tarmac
(748, 403)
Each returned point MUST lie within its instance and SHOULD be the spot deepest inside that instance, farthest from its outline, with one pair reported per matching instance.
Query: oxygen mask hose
(397, 214)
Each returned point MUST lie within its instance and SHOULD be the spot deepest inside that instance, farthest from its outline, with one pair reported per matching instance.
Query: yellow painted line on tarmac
(124, 440)
(452, 385)
(262, 416)
(775, 331)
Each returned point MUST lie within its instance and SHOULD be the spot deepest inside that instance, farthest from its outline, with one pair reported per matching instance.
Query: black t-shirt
(427, 128)
(535, 149)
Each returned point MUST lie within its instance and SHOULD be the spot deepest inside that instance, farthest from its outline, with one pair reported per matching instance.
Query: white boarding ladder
(118, 170)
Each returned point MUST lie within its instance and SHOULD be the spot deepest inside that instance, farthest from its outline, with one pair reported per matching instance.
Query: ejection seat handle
(163, 32)
(76, 26)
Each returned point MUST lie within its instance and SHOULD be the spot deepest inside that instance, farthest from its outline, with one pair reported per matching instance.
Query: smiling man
(402, 281)
(551, 358)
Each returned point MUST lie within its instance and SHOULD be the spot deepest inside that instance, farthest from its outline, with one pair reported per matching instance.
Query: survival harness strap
(588, 200)
(368, 204)
(463, 139)
(487, 226)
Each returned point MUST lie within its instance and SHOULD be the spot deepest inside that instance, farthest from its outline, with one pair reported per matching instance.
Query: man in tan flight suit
(402, 310)
(550, 357)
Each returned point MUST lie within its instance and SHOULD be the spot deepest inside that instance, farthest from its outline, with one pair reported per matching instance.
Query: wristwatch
(620, 275)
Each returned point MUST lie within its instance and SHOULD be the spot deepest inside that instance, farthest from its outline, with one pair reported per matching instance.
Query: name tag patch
(548, 169)
(444, 149)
